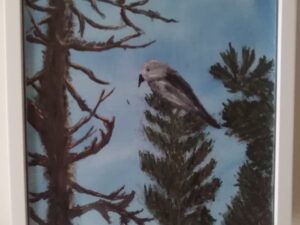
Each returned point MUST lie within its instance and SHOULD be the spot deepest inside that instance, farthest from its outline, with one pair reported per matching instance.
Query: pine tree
(181, 170)
(48, 111)
(250, 118)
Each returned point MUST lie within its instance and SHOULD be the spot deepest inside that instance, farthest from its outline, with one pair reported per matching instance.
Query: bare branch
(105, 207)
(37, 159)
(41, 22)
(38, 32)
(88, 72)
(148, 13)
(44, 20)
(81, 103)
(35, 217)
(36, 77)
(83, 190)
(138, 3)
(35, 197)
(128, 38)
(36, 88)
(96, 8)
(84, 19)
(81, 20)
(34, 39)
(34, 115)
(116, 195)
(81, 45)
(151, 14)
(128, 22)
(99, 206)
(96, 147)
(83, 106)
(33, 5)
(86, 119)
(88, 134)
(126, 46)
(109, 2)
(102, 27)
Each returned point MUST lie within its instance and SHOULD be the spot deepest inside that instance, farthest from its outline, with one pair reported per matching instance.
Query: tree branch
(34, 39)
(127, 46)
(38, 32)
(116, 195)
(148, 13)
(96, 8)
(36, 77)
(112, 197)
(84, 19)
(35, 217)
(109, 2)
(83, 190)
(32, 5)
(36, 88)
(96, 147)
(85, 119)
(88, 72)
(88, 134)
(128, 22)
(41, 22)
(39, 196)
(37, 159)
(138, 3)
(81, 103)
(104, 207)
(34, 115)
(151, 14)
(102, 27)
(81, 45)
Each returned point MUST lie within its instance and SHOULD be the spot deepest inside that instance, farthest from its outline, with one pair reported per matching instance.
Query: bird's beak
(141, 80)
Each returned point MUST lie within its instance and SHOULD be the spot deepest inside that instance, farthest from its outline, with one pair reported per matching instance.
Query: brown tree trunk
(48, 113)
(54, 104)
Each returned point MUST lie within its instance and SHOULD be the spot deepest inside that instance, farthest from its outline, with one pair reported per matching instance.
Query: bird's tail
(208, 118)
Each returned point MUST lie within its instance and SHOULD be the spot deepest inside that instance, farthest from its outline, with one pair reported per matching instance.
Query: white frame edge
(286, 71)
(12, 166)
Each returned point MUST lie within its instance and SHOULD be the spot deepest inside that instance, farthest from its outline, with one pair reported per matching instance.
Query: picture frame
(12, 159)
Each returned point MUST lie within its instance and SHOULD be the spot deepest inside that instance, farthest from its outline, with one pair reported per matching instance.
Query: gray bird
(167, 83)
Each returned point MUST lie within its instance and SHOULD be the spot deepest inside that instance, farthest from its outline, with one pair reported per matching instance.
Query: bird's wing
(179, 83)
(175, 80)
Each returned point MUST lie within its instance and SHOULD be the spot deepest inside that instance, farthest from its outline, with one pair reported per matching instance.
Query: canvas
(150, 111)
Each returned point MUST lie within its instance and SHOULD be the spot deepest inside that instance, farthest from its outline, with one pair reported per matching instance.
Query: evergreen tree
(181, 170)
(250, 118)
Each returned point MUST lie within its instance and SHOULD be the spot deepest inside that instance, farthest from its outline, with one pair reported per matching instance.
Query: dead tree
(48, 113)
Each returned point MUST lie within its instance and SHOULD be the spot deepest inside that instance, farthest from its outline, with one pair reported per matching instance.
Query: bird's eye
(147, 69)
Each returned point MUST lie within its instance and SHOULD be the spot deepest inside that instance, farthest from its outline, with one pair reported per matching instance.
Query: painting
(150, 112)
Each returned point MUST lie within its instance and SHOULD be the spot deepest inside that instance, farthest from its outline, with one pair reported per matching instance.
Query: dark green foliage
(250, 118)
(180, 171)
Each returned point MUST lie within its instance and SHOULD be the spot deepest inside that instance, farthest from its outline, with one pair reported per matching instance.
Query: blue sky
(191, 46)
